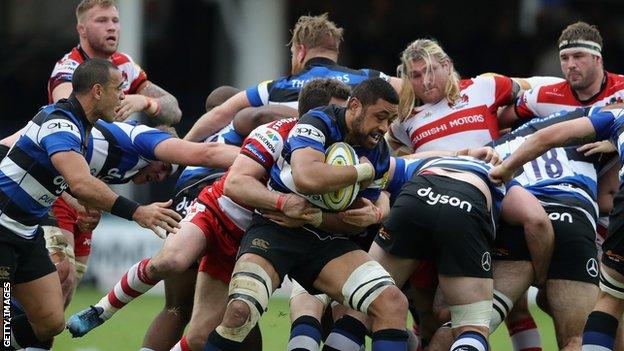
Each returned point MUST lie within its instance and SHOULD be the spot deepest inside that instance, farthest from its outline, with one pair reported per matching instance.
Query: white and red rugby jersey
(264, 145)
(545, 100)
(470, 122)
(64, 69)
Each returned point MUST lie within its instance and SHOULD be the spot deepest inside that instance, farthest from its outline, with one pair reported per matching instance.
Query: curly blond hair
(427, 50)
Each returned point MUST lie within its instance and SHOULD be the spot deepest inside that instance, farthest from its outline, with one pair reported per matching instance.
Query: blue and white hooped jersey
(609, 125)
(29, 183)
(118, 150)
(191, 174)
(285, 90)
(561, 176)
(318, 129)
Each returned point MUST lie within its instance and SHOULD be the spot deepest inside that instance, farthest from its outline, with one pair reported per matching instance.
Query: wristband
(124, 208)
(365, 171)
(279, 205)
(151, 102)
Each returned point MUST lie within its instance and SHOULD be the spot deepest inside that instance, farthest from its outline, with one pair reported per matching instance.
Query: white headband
(588, 46)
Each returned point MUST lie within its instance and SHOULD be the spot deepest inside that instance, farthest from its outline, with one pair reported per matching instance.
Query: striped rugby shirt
(29, 183)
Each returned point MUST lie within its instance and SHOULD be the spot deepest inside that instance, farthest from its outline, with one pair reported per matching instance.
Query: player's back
(285, 90)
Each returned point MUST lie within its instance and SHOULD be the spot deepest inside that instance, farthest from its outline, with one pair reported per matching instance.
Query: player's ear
(302, 51)
(353, 103)
(80, 28)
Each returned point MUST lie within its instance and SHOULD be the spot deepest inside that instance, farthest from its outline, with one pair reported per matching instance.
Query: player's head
(580, 55)
(312, 36)
(370, 110)
(428, 75)
(99, 82)
(322, 92)
(98, 26)
(155, 171)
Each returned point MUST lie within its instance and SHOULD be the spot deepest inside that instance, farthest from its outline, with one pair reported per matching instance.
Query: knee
(390, 304)
(236, 314)
(537, 223)
(442, 314)
(167, 264)
(571, 343)
(50, 327)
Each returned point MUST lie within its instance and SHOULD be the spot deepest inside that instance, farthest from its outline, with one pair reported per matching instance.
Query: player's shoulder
(69, 62)
(119, 58)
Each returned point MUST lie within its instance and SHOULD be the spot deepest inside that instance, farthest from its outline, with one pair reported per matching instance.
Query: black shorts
(298, 252)
(613, 246)
(189, 191)
(23, 260)
(441, 219)
(574, 255)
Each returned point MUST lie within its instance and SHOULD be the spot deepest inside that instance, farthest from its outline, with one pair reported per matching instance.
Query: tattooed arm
(155, 101)
(573, 132)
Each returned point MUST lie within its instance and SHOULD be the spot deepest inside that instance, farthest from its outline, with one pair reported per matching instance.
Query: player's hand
(603, 146)
(485, 154)
(501, 174)
(362, 216)
(130, 104)
(157, 216)
(295, 206)
(88, 218)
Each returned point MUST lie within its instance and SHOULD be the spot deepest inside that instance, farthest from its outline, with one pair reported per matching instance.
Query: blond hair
(317, 32)
(86, 5)
(427, 50)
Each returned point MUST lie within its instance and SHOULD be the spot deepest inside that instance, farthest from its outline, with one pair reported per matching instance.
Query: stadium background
(190, 47)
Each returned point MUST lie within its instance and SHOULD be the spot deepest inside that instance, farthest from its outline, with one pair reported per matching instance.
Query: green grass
(126, 329)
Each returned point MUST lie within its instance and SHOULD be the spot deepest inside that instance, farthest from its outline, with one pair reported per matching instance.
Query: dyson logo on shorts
(560, 216)
(434, 198)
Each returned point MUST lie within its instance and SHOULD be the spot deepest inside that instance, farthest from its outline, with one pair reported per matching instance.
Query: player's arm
(62, 91)
(243, 185)
(356, 219)
(608, 185)
(182, 152)
(156, 102)
(94, 193)
(312, 175)
(217, 118)
(249, 118)
(568, 133)
(11, 139)
(160, 104)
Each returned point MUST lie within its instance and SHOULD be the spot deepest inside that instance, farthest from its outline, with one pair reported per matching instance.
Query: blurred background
(190, 47)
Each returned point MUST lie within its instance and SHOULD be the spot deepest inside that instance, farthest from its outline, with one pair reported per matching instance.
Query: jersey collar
(603, 85)
(319, 61)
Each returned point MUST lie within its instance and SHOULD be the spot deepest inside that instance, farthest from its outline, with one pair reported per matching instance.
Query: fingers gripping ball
(338, 154)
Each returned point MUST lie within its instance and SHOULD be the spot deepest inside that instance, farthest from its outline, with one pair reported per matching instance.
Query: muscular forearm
(167, 110)
(249, 191)
(92, 192)
(320, 178)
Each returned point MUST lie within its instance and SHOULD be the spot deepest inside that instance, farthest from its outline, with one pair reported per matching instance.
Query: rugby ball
(338, 154)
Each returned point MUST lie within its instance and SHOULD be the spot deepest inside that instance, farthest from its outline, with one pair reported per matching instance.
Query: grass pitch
(126, 329)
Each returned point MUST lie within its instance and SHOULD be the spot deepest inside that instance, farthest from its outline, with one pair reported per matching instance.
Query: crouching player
(447, 213)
